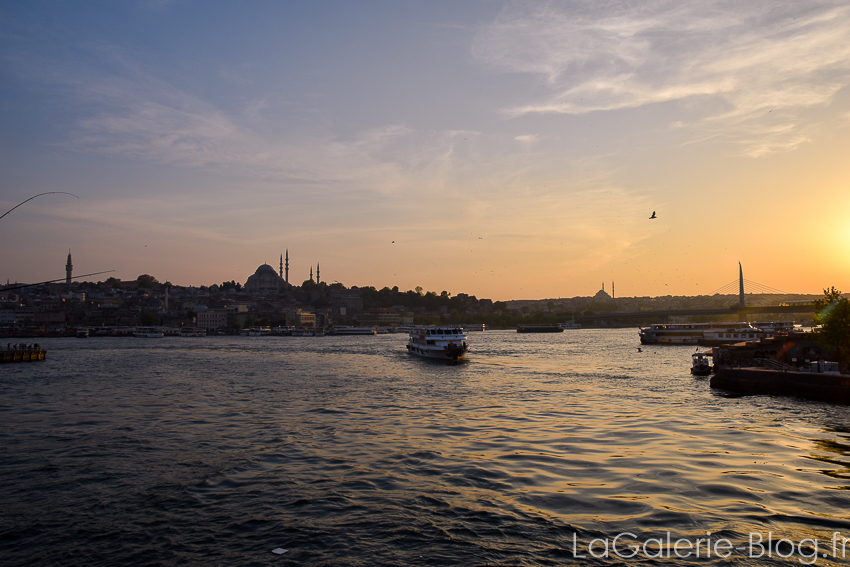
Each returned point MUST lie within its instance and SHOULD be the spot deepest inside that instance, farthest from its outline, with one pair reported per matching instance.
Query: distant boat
(353, 331)
(256, 332)
(570, 325)
(539, 329)
(148, 333)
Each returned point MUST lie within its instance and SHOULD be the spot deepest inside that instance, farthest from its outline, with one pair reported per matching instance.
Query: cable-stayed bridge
(763, 299)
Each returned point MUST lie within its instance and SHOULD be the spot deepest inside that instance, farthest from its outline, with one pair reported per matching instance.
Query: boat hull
(438, 353)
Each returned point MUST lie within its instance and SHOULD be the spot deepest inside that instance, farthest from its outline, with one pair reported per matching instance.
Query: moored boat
(192, 332)
(256, 332)
(733, 336)
(775, 327)
(148, 333)
(691, 333)
(302, 332)
(442, 343)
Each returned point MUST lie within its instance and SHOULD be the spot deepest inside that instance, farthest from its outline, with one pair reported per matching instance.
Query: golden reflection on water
(544, 436)
(830, 452)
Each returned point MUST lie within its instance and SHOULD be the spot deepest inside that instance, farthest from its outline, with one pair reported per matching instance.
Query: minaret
(280, 270)
(286, 278)
(311, 273)
(612, 290)
(68, 269)
(741, 300)
(317, 273)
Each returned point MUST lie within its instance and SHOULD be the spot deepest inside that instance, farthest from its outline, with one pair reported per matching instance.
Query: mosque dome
(602, 295)
(265, 279)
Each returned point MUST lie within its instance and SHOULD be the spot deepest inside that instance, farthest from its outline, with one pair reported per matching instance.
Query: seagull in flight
(653, 216)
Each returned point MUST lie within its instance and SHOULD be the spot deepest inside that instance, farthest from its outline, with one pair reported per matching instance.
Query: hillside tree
(833, 314)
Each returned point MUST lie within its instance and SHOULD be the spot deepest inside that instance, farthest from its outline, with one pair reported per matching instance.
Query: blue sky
(504, 149)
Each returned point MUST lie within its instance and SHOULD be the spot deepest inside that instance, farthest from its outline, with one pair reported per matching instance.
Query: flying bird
(653, 216)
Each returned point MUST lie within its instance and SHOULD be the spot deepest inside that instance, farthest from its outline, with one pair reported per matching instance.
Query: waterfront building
(347, 299)
(384, 318)
(7, 317)
(213, 318)
(299, 318)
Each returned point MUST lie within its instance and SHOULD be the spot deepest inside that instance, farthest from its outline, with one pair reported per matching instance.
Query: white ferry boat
(443, 343)
(691, 333)
(732, 336)
(775, 326)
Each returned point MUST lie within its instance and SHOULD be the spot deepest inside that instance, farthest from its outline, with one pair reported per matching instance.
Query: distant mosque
(266, 279)
(602, 295)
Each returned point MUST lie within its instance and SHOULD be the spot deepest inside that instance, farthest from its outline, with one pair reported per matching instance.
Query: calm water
(348, 451)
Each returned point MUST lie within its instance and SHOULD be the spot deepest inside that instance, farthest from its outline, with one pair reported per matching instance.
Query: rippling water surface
(348, 451)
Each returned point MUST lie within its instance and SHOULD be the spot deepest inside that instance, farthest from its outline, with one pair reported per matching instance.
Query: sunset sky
(509, 150)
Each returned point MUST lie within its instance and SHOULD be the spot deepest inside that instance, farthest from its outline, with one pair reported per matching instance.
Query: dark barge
(833, 388)
(539, 329)
(22, 354)
(791, 364)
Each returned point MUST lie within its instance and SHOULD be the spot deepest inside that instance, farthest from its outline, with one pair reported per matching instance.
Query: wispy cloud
(729, 62)
(116, 105)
